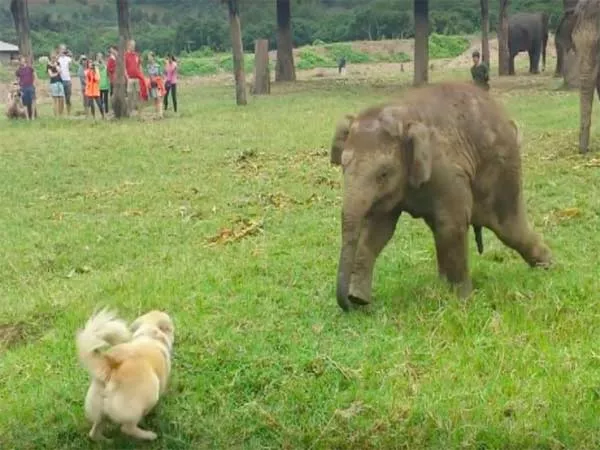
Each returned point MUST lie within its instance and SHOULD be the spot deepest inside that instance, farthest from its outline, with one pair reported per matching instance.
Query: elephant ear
(339, 139)
(420, 158)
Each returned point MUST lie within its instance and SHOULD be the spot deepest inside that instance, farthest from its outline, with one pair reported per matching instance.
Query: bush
(310, 59)
(441, 46)
(197, 66)
(352, 56)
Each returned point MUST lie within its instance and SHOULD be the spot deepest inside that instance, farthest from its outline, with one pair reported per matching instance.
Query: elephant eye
(382, 176)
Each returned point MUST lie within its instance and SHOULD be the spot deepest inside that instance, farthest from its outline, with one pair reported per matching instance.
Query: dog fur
(14, 105)
(129, 367)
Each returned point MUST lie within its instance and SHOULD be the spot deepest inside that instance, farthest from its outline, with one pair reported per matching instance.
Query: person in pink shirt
(170, 81)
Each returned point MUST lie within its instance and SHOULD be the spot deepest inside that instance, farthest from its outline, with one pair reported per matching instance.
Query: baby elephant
(447, 153)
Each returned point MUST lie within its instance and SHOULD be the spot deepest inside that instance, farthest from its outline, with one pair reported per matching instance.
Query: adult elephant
(562, 38)
(586, 39)
(446, 153)
(528, 32)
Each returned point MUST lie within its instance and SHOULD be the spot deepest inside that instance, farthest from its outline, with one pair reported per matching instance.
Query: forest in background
(190, 25)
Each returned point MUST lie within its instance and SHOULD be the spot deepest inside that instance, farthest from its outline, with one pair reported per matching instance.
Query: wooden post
(20, 14)
(503, 52)
(262, 76)
(421, 58)
(485, 28)
(238, 51)
(119, 99)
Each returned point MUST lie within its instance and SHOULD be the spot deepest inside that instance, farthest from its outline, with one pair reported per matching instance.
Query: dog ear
(165, 326)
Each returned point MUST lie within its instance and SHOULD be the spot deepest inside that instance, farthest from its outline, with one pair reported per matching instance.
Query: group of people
(97, 78)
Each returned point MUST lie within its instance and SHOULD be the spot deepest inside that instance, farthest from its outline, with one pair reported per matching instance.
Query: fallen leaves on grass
(594, 162)
(133, 213)
(240, 230)
(12, 334)
(79, 270)
(561, 215)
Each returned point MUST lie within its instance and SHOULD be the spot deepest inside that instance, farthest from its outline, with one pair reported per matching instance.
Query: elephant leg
(559, 62)
(451, 250)
(431, 224)
(515, 232)
(535, 61)
(511, 65)
(375, 234)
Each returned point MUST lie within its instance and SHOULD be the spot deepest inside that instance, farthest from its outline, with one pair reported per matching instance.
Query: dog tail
(101, 331)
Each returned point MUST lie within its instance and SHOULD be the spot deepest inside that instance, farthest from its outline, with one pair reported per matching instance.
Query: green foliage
(446, 46)
(310, 59)
(352, 56)
(181, 25)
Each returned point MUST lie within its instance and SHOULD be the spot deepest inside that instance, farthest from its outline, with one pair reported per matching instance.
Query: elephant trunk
(350, 235)
(588, 77)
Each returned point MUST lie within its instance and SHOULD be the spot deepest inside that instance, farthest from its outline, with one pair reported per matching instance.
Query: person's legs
(27, 99)
(67, 89)
(174, 96)
(166, 99)
(104, 100)
(100, 105)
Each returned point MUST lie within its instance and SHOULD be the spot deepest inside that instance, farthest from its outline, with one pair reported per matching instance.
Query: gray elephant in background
(586, 40)
(446, 153)
(562, 39)
(528, 32)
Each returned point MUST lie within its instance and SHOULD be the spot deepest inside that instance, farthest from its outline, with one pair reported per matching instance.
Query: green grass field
(136, 215)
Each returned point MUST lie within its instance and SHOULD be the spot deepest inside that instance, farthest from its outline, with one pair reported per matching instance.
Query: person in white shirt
(64, 62)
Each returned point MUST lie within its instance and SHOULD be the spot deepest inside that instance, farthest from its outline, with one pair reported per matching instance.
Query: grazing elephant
(586, 39)
(528, 32)
(447, 153)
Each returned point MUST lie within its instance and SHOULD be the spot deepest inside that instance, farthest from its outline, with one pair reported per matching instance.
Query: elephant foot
(359, 295)
(464, 289)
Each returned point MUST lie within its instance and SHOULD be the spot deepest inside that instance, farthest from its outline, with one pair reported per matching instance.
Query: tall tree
(284, 70)
(238, 51)
(119, 99)
(485, 28)
(503, 53)
(20, 13)
(421, 57)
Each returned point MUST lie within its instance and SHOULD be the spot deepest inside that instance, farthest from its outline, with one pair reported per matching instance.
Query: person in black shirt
(480, 72)
(57, 89)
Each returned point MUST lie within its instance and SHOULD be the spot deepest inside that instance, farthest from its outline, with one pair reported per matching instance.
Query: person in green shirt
(104, 81)
(480, 72)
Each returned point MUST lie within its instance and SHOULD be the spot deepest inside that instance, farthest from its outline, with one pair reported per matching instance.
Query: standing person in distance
(57, 91)
(104, 81)
(111, 67)
(81, 74)
(156, 84)
(170, 82)
(480, 72)
(92, 89)
(27, 78)
(64, 62)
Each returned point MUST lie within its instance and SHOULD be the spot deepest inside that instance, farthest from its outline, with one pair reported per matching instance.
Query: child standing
(26, 76)
(171, 81)
(57, 89)
(92, 89)
(104, 81)
(480, 72)
(156, 84)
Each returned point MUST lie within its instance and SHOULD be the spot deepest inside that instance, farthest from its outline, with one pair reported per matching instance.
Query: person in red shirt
(133, 68)
(111, 67)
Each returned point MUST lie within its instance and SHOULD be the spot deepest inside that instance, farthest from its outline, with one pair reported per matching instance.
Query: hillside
(178, 25)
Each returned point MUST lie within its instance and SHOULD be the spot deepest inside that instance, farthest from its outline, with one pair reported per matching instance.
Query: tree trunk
(503, 52)
(20, 14)
(421, 12)
(284, 70)
(262, 77)
(485, 28)
(238, 52)
(119, 99)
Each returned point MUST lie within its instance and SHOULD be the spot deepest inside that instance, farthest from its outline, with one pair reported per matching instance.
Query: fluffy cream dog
(129, 368)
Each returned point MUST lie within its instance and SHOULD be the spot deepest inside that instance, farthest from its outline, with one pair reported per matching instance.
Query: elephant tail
(478, 238)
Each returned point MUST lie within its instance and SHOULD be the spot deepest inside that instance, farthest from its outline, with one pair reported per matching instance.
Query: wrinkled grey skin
(563, 42)
(446, 153)
(528, 32)
(586, 40)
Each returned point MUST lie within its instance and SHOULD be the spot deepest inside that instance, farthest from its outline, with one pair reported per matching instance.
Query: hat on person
(476, 53)
(82, 58)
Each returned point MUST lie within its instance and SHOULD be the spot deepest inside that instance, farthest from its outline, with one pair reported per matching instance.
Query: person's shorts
(28, 95)
(68, 89)
(154, 93)
(57, 90)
